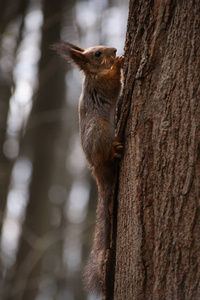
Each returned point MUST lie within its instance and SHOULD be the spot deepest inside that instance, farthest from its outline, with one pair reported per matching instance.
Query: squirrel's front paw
(120, 60)
(116, 150)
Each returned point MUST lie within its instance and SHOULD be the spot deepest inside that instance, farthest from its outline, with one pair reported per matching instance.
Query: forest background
(47, 196)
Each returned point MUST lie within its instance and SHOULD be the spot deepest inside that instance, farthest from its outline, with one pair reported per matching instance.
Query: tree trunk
(6, 83)
(35, 240)
(158, 220)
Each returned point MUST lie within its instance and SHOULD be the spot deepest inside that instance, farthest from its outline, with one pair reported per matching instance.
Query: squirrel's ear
(79, 59)
(64, 48)
(74, 47)
(71, 52)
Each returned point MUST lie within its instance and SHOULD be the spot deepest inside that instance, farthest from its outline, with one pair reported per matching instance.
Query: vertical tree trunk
(6, 83)
(158, 221)
(43, 137)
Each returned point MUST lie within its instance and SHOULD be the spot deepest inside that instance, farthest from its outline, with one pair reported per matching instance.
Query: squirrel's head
(95, 60)
(100, 58)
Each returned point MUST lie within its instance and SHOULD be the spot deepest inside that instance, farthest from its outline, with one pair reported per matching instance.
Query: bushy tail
(94, 267)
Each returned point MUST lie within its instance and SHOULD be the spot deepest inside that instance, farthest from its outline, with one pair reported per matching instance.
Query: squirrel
(97, 108)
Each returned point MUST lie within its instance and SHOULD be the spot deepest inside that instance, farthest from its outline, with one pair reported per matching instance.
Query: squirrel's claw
(120, 60)
(116, 149)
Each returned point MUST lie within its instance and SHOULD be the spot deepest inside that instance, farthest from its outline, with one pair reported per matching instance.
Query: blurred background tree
(47, 196)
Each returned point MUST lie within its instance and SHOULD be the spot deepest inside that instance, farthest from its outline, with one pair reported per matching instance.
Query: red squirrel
(97, 108)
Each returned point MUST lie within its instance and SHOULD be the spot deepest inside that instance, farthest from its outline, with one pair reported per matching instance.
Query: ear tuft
(65, 49)
(62, 48)
(72, 53)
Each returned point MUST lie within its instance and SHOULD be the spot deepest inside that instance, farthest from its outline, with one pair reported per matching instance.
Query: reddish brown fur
(100, 92)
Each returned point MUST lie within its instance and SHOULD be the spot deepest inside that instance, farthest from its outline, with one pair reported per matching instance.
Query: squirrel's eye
(97, 54)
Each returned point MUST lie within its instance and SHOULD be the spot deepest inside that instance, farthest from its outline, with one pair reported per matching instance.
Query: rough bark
(158, 221)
